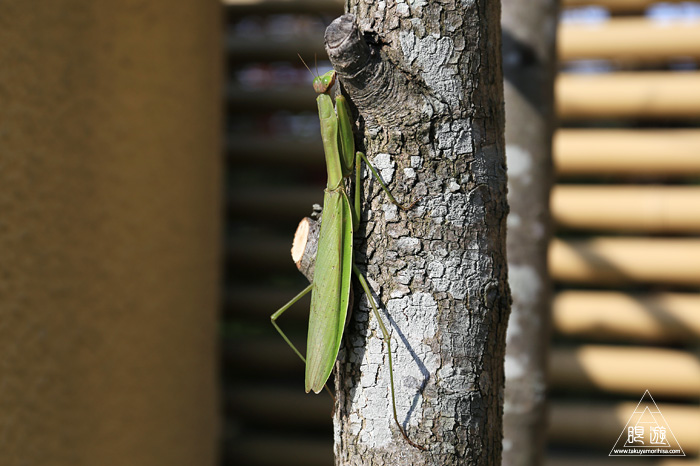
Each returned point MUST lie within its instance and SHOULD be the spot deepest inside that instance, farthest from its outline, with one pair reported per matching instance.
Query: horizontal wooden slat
(626, 370)
(661, 152)
(599, 425)
(615, 261)
(292, 98)
(593, 459)
(658, 209)
(609, 95)
(250, 7)
(281, 405)
(261, 252)
(628, 95)
(629, 39)
(265, 356)
(292, 201)
(275, 150)
(241, 48)
(657, 317)
(278, 449)
(618, 6)
(259, 302)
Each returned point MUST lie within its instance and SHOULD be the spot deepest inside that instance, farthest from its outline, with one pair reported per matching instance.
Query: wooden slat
(661, 152)
(616, 261)
(599, 425)
(280, 405)
(262, 356)
(592, 459)
(275, 150)
(632, 95)
(629, 39)
(583, 96)
(261, 252)
(242, 48)
(626, 370)
(277, 449)
(258, 302)
(282, 97)
(253, 7)
(279, 202)
(657, 317)
(616, 6)
(657, 209)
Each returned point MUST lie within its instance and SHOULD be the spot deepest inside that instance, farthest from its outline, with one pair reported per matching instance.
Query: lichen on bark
(425, 79)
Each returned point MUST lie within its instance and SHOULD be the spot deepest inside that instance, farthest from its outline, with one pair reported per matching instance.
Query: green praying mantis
(330, 288)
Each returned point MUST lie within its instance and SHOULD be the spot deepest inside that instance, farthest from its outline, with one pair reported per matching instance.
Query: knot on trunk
(380, 91)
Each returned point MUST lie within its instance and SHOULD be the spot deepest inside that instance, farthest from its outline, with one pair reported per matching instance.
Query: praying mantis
(331, 285)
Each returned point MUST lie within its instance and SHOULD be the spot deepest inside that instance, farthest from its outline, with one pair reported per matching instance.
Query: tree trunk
(529, 29)
(426, 81)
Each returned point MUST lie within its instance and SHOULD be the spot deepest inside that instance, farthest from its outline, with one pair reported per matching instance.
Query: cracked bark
(426, 83)
(529, 29)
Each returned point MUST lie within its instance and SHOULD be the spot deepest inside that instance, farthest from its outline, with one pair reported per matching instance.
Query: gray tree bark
(426, 81)
(529, 59)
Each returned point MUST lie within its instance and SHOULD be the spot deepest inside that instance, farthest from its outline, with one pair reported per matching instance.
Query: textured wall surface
(109, 232)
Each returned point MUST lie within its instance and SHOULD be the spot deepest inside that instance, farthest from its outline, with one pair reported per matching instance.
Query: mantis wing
(331, 289)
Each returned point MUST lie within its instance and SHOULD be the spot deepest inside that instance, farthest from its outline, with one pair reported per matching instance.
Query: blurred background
(140, 264)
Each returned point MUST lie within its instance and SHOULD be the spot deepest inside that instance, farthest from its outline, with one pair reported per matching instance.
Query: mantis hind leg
(387, 340)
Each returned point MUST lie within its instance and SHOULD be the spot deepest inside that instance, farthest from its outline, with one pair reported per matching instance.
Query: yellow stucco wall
(109, 232)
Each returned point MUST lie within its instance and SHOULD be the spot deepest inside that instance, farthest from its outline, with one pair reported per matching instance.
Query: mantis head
(323, 83)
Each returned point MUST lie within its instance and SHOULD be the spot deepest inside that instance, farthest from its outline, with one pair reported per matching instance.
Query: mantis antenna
(307, 66)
